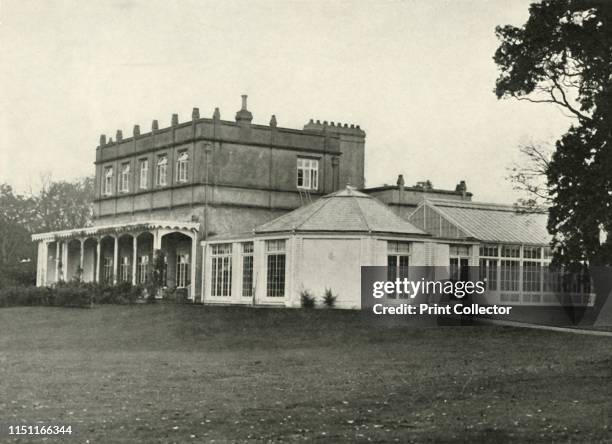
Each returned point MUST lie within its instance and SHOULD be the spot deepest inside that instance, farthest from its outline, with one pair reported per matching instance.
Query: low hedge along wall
(72, 294)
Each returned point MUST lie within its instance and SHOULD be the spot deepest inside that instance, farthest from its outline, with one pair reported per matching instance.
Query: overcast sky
(418, 76)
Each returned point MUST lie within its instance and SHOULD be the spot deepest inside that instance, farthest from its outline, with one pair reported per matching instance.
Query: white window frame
(144, 174)
(221, 271)
(143, 268)
(161, 170)
(183, 268)
(307, 177)
(182, 167)
(275, 249)
(107, 184)
(125, 269)
(247, 258)
(124, 178)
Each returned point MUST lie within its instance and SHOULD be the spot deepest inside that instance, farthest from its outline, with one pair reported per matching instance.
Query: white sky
(418, 76)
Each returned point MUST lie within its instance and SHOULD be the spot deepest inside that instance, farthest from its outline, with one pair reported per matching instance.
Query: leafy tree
(563, 56)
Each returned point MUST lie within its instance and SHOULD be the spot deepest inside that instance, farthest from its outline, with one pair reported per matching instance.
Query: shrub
(307, 299)
(73, 296)
(329, 298)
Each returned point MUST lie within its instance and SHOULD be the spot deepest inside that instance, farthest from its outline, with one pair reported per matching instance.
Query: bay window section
(275, 272)
(221, 272)
(247, 269)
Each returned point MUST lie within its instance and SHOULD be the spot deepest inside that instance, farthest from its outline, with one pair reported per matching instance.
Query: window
(182, 270)
(162, 169)
(221, 276)
(489, 250)
(532, 252)
(108, 269)
(511, 251)
(182, 165)
(510, 275)
(275, 261)
(144, 174)
(247, 269)
(125, 269)
(143, 269)
(531, 276)
(488, 273)
(307, 174)
(398, 261)
(124, 178)
(107, 184)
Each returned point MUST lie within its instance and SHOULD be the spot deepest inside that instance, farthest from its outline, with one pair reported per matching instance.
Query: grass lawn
(170, 373)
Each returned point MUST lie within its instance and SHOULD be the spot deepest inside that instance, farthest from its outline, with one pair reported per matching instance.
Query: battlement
(335, 127)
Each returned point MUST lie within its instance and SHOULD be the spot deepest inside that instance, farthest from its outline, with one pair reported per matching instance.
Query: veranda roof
(484, 222)
(116, 228)
(347, 210)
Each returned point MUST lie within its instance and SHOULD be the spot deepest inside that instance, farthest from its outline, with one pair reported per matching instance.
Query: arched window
(107, 187)
(182, 166)
(162, 168)
(124, 178)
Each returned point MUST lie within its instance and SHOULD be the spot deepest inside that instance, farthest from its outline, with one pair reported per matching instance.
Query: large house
(256, 214)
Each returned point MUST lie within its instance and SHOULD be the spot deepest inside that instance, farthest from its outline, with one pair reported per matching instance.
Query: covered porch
(120, 253)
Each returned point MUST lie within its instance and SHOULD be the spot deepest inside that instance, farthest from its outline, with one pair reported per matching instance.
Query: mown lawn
(196, 374)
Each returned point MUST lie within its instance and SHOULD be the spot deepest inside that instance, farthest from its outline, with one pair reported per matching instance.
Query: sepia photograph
(278, 221)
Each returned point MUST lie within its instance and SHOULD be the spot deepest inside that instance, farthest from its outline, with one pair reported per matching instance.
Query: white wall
(333, 263)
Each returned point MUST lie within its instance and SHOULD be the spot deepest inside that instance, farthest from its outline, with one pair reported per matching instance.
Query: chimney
(400, 182)
(119, 136)
(195, 114)
(273, 121)
(102, 139)
(461, 188)
(154, 125)
(136, 130)
(174, 120)
(244, 115)
(217, 114)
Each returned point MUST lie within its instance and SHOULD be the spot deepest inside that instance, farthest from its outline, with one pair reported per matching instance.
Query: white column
(115, 259)
(97, 264)
(134, 258)
(65, 261)
(194, 254)
(81, 259)
(39, 266)
(57, 260)
(156, 241)
(45, 262)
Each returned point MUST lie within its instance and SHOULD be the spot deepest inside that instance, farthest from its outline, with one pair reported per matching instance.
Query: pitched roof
(493, 222)
(347, 210)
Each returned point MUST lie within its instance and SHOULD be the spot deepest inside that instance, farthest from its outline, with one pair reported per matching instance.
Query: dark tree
(563, 56)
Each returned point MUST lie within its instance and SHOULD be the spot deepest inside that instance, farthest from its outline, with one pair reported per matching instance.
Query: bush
(70, 294)
(307, 299)
(176, 295)
(329, 298)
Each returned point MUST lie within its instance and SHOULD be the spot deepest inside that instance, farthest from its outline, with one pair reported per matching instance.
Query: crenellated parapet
(335, 127)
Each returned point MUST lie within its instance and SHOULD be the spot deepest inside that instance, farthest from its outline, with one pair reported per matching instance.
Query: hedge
(70, 294)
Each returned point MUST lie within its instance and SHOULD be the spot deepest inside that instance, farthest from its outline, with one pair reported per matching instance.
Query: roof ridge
(361, 215)
(323, 203)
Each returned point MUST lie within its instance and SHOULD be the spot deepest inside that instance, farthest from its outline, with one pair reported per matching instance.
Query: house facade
(256, 214)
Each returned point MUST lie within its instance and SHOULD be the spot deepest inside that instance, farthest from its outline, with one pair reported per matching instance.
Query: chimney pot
(119, 136)
(174, 119)
(102, 139)
(244, 102)
(195, 114)
(273, 121)
(155, 125)
(136, 130)
(217, 114)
